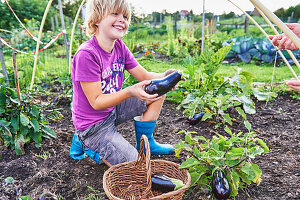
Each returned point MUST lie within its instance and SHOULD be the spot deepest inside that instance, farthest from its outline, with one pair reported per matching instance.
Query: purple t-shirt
(91, 63)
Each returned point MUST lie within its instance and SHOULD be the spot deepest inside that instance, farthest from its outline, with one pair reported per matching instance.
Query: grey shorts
(105, 139)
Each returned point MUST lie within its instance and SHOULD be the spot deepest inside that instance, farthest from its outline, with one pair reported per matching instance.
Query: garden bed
(50, 172)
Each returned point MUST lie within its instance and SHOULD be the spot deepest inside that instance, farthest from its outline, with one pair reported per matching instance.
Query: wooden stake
(72, 34)
(276, 32)
(16, 75)
(262, 30)
(277, 21)
(63, 28)
(38, 43)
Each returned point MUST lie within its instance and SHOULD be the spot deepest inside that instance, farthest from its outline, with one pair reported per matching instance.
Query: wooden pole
(3, 65)
(16, 75)
(64, 29)
(203, 25)
(276, 32)
(277, 21)
(262, 30)
(72, 34)
(38, 42)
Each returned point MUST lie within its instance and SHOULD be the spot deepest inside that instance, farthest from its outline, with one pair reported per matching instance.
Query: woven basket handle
(142, 158)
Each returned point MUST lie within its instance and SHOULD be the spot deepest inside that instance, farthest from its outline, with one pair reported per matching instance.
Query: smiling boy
(99, 102)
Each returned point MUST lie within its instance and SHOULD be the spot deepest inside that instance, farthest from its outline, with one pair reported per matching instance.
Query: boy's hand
(170, 71)
(138, 91)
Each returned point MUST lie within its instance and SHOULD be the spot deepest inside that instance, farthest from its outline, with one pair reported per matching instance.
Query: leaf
(241, 112)
(227, 118)
(258, 173)
(48, 131)
(2, 110)
(190, 162)
(19, 145)
(263, 144)
(177, 152)
(188, 138)
(15, 123)
(197, 138)
(15, 100)
(24, 119)
(34, 111)
(249, 108)
(9, 180)
(35, 124)
(206, 116)
(227, 130)
(248, 125)
(234, 182)
(248, 169)
(195, 177)
(261, 96)
(245, 57)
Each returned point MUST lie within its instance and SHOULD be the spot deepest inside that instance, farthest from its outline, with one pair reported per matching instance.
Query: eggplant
(220, 185)
(164, 85)
(165, 184)
(196, 118)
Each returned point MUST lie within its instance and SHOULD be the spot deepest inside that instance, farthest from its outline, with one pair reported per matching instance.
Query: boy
(99, 102)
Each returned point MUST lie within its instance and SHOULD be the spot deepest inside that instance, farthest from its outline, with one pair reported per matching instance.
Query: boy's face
(113, 26)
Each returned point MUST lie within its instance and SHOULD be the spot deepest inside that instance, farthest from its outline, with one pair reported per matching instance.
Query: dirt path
(51, 173)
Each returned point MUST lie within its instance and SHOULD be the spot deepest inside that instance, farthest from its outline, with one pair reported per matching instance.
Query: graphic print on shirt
(112, 76)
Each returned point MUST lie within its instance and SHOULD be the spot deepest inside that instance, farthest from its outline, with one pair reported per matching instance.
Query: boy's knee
(115, 155)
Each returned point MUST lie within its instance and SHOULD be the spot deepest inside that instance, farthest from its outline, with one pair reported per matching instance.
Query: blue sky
(215, 6)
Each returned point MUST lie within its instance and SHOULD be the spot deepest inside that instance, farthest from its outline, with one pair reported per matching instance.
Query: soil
(49, 173)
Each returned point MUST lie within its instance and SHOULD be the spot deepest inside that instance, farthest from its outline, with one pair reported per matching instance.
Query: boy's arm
(100, 101)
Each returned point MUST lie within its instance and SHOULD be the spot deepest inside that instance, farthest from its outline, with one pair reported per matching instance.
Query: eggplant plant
(213, 93)
(233, 155)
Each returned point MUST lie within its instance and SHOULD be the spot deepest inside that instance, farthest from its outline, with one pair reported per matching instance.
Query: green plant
(21, 121)
(233, 155)
(10, 180)
(214, 93)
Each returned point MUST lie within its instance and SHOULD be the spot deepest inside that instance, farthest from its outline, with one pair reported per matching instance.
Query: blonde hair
(96, 10)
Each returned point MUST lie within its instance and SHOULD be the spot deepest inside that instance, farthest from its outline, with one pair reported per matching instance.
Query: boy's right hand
(138, 91)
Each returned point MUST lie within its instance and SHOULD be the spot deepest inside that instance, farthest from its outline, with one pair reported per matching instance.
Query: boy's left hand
(170, 71)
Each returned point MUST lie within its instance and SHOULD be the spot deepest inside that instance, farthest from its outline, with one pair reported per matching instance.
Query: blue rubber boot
(78, 151)
(147, 128)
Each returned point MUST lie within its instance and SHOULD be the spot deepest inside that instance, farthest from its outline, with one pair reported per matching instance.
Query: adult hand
(294, 84)
(138, 91)
(282, 41)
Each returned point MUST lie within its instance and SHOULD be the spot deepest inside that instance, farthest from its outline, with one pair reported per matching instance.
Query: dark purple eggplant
(220, 185)
(195, 119)
(164, 183)
(164, 85)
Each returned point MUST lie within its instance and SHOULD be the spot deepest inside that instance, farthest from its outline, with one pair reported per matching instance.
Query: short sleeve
(87, 67)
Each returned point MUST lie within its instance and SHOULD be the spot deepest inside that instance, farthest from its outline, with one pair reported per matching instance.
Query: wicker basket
(132, 180)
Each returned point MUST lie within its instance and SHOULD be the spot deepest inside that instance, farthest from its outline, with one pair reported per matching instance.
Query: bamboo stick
(277, 21)
(276, 32)
(38, 42)
(16, 75)
(262, 30)
(72, 34)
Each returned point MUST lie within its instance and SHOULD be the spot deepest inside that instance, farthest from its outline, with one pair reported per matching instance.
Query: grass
(262, 73)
